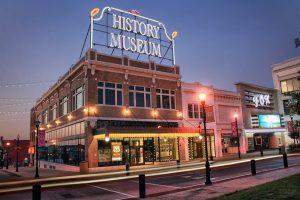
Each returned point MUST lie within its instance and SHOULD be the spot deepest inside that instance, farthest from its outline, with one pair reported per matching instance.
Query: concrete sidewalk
(224, 187)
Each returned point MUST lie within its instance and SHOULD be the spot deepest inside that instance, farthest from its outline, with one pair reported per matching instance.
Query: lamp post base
(211, 158)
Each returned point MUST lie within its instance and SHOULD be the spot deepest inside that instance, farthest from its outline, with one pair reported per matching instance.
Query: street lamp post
(238, 136)
(7, 148)
(17, 149)
(207, 167)
(37, 124)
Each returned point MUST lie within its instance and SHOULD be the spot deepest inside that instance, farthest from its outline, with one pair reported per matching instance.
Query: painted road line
(198, 178)
(124, 194)
(147, 183)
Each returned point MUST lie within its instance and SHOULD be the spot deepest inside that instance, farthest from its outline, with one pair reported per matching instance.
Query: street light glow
(7, 143)
(235, 116)
(202, 97)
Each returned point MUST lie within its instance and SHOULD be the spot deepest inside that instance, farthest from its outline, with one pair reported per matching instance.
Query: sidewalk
(27, 173)
(230, 186)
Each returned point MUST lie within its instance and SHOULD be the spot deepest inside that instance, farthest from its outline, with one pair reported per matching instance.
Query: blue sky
(219, 42)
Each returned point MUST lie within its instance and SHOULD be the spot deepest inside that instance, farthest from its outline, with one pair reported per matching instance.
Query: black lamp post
(238, 136)
(37, 124)
(18, 149)
(207, 167)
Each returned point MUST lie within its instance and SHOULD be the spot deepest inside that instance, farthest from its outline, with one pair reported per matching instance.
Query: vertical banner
(41, 138)
(290, 126)
(233, 129)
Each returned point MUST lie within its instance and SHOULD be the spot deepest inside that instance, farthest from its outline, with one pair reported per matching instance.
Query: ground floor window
(136, 151)
(197, 147)
(70, 152)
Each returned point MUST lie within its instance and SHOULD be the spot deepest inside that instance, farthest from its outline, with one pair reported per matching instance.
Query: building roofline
(255, 86)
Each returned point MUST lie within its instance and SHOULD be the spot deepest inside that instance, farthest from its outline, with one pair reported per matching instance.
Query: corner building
(109, 111)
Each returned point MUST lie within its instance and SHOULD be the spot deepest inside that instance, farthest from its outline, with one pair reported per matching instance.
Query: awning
(151, 132)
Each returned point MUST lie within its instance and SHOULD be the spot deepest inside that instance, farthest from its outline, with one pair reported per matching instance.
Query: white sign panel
(261, 100)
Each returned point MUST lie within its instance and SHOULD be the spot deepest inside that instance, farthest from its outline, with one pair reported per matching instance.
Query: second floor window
(195, 111)
(53, 110)
(110, 94)
(63, 106)
(139, 96)
(45, 117)
(78, 98)
(165, 99)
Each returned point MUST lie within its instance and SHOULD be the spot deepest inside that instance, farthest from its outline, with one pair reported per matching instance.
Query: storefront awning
(151, 132)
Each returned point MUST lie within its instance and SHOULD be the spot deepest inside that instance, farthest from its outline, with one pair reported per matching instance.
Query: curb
(13, 173)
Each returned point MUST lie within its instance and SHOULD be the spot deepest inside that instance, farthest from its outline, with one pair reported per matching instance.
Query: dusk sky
(219, 43)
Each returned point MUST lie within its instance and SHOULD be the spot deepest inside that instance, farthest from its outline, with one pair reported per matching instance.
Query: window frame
(75, 93)
(118, 87)
(144, 92)
(160, 92)
(62, 103)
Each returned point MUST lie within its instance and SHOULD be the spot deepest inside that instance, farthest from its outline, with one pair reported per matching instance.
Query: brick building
(110, 110)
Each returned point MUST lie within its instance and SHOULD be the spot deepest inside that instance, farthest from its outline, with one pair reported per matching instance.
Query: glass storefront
(137, 151)
(196, 147)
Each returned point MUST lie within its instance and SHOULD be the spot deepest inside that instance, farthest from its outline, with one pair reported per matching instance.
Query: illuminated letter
(128, 24)
(114, 42)
(156, 30)
(115, 21)
(156, 50)
(133, 44)
(140, 45)
(123, 42)
(140, 28)
(150, 30)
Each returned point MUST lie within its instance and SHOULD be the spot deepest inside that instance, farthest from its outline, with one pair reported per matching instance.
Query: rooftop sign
(131, 34)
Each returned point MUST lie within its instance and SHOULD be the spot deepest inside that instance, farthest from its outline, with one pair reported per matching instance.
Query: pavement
(157, 190)
(229, 186)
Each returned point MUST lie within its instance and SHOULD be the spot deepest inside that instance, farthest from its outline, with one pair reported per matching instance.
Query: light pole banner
(41, 135)
(290, 126)
(233, 128)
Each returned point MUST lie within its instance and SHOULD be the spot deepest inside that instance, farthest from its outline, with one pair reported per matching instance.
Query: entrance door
(197, 147)
(136, 151)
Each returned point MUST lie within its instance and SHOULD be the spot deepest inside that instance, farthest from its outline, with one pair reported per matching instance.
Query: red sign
(41, 138)
(290, 126)
(116, 151)
(233, 128)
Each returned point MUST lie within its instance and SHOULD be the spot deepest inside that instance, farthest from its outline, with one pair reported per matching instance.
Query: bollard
(36, 192)
(127, 169)
(261, 152)
(285, 161)
(253, 167)
(142, 186)
(178, 164)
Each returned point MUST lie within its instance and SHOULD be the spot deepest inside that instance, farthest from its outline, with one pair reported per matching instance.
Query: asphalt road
(123, 189)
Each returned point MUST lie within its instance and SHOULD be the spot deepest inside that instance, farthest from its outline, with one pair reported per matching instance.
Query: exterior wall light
(57, 122)
(126, 111)
(179, 114)
(106, 137)
(154, 113)
(69, 117)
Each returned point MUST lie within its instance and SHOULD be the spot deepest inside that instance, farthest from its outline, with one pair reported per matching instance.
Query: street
(122, 189)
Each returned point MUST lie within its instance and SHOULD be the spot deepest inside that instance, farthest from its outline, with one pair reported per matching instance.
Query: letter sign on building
(261, 100)
(130, 32)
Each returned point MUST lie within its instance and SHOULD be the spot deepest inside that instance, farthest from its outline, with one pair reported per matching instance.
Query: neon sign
(133, 33)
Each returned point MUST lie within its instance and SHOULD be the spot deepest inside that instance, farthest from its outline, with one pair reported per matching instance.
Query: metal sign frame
(165, 41)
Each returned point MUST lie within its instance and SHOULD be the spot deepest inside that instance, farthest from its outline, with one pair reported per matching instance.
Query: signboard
(269, 121)
(41, 138)
(116, 151)
(129, 33)
(290, 126)
(261, 100)
(233, 129)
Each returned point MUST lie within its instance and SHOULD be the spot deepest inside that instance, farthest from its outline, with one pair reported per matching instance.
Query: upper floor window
(165, 99)
(290, 85)
(194, 111)
(78, 98)
(63, 106)
(139, 96)
(110, 93)
(53, 111)
(45, 117)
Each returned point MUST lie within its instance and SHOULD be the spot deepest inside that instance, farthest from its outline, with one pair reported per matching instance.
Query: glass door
(136, 151)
